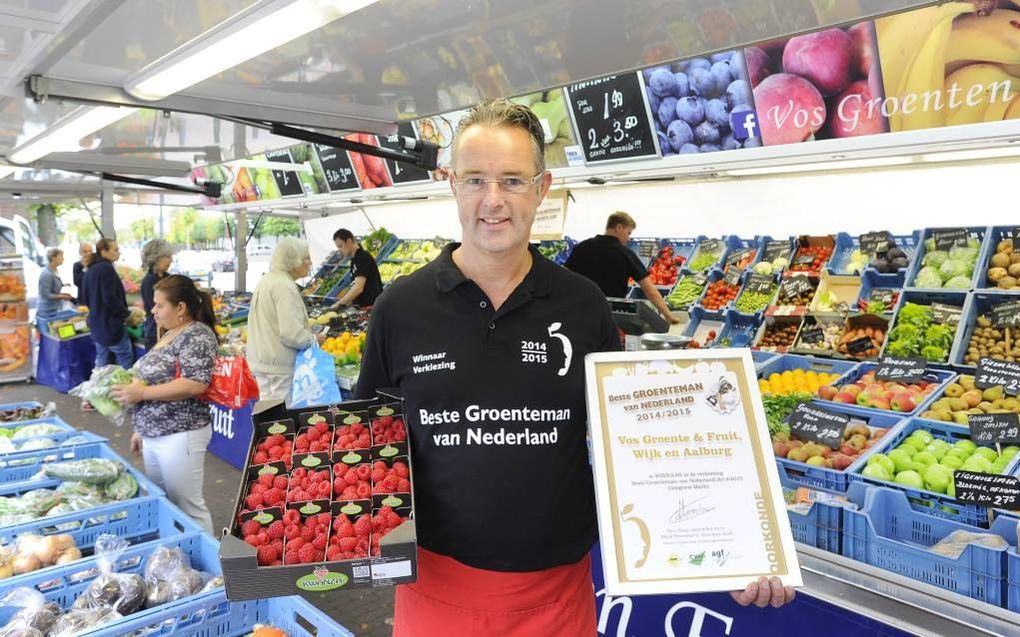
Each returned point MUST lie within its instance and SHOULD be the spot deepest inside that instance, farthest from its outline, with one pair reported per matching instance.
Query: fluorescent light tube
(821, 166)
(972, 155)
(260, 28)
(66, 132)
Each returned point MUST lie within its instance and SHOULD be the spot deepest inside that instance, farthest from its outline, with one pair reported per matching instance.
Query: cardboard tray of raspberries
(326, 502)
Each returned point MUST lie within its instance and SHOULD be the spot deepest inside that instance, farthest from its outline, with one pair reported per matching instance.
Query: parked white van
(16, 236)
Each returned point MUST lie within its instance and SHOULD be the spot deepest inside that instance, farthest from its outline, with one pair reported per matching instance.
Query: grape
(707, 133)
(663, 83)
(688, 149)
(738, 92)
(667, 110)
(679, 134)
(691, 110)
(703, 83)
(729, 142)
(715, 112)
(653, 99)
(683, 85)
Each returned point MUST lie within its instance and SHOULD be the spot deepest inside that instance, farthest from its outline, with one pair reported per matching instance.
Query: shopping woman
(278, 322)
(156, 258)
(103, 293)
(50, 296)
(172, 427)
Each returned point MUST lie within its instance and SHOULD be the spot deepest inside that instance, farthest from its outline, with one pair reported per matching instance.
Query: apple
(853, 390)
(846, 398)
(910, 479)
(876, 471)
(817, 461)
(780, 449)
(881, 403)
(903, 402)
(901, 460)
(826, 392)
(923, 436)
(936, 450)
(797, 455)
(884, 461)
(937, 478)
(925, 458)
(848, 450)
(864, 399)
(987, 453)
(840, 461)
(781, 436)
(950, 461)
(857, 441)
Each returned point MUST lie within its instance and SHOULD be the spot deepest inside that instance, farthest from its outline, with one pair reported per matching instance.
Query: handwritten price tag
(987, 489)
(901, 370)
(988, 429)
(818, 425)
(992, 372)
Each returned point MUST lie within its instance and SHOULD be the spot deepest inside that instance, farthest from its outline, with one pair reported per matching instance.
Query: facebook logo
(744, 124)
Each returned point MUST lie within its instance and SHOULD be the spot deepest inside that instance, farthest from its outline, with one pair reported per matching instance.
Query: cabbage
(762, 268)
(936, 258)
(967, 254)
(928, 277)
(958, 283)
(954, 268)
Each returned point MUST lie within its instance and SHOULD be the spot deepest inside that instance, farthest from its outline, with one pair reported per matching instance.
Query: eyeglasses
(512, 185)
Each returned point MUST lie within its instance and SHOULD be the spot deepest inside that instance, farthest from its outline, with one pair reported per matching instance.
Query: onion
(6, 570)
(46, 551)
(70, 555)
(26, 564)
(62, 542)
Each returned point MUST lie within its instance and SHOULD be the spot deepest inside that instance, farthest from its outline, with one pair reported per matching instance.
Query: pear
(984, 405)
(967, 382)
(960, 417)
(944, 415)
(954, 391)
(958, 404)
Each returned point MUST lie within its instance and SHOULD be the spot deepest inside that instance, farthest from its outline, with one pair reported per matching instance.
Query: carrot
(359, 169)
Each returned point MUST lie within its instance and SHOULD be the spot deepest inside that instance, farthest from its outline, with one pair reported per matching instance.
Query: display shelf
(952, 298)
(763, 241)
(995, 235)
(846, 244)
(790, 362)
(872, 281)
(978, 303)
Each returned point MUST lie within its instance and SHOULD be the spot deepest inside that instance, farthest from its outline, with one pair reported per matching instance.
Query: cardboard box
(397, 564)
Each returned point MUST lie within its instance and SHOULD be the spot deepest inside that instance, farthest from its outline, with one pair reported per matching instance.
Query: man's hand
(765, 592)
(672, 319)
(339, 305)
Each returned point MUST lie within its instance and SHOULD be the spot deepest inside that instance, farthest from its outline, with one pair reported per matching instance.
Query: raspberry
(292, 531)
(346, 530)
(379, 465)
(313, 435)
(363, 491)
(273, 497)
(363, 527)
(260, 457)
(266, 479)
(401, 469)
(307, 553)
(340, 469)
(404, 485)
(295, 544)
(257, 487)
(321, 427)
(253, 501)
(307, 534)
(251, 527)
(378, 475)
(266, 555)
(348, 544)
(292, 517)
(291, 557)
(277, 530)
(280, 483)
(252, 540)
(319, 542)
(333, 553)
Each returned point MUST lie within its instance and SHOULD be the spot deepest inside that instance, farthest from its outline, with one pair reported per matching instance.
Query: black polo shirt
(495, 408)
(363, 264)
(608, 263)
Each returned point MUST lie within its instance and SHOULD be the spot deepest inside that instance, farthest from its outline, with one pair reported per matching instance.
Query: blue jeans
(122, 351)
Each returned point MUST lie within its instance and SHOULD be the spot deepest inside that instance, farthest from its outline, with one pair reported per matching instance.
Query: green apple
(901, 460)
(953, 462)
(936, 450)
(966, 445)
(937, 478)
(917, 443)
(956, 452)
(877, 472)
(925, 458)
(907, 449)
(921, 434)
(884, 461)
(1010, 451)
(977, 463)
(911, 479)
(987, 453)
(951, 489)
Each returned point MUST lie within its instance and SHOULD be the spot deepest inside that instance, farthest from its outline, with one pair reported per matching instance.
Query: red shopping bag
(232, 383)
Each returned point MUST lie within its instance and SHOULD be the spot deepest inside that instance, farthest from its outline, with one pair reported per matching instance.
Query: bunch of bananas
(959, 61)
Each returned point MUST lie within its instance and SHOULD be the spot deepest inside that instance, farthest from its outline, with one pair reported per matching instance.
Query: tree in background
(278, 227)
(45, 219)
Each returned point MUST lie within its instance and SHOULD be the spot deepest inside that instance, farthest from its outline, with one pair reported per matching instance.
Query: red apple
(903, 402)
(844, 397)
(841, 461)
(823, 58)
(880, 403)
(853, 390)
(826, 392)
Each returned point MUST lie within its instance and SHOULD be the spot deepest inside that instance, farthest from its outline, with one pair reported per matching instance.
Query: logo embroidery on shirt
(568, 349)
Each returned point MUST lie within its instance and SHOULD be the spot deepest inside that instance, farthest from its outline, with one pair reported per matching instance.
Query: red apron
(451, 599)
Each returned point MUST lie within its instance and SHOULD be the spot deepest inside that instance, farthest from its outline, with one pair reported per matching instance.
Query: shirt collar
(537, 281)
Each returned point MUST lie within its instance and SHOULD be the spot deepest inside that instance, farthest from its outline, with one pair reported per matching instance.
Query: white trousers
(274, 386)
(176, 463)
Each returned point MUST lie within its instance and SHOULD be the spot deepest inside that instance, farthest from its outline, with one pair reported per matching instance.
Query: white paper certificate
(687, 489)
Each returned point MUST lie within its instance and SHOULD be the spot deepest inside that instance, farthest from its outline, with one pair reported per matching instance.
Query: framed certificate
(688, 493)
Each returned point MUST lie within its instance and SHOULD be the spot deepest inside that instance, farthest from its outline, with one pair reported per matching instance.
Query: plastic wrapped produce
(122, 592)
(96, 390)
(928, 277)
(35, 430)
(88, 470)
(124, 487)
(34, 612)
(169, 577)
(74, 440)
(78, 621)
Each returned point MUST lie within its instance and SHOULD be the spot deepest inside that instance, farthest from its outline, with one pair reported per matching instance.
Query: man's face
(112, 253)
(346, 248)
(496, 222)
(85, 251)
(623, 233)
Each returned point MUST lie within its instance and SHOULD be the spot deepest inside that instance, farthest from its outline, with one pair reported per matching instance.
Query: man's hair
(503, 112)
(620, 218)
(343, 234)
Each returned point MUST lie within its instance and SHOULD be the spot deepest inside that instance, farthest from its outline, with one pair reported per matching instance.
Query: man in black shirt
(606, 260)
(487, 345)
(367, 285)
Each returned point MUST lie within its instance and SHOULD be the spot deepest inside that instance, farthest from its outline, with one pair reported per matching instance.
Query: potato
(1000, 260)
(1006, 245)
(1014, 270)
(995, 274)
(1007, 282)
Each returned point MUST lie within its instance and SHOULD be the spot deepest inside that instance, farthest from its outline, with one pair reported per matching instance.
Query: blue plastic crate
(979, 302)
(808, 240)
(343, 283)
(22, 465)
(995, 235)
(764, 239)
(955, 298)
(761, 359)
(980, 233)
(943, 378)
(138, 519)
(818, 523)
(145, 486)
(872, 280)
(563, 249)
(703, 321)
(847, 243)
(888, 533)
(735, 243)
(214, 616)
(724, 241)
(53, 420)
(714, 275)
(738, 329)
(743, 289)
(790, 362)
(935, 504)
(831, 480)
(64, 584)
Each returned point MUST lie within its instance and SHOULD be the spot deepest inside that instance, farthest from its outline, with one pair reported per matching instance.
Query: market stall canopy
(384, 62)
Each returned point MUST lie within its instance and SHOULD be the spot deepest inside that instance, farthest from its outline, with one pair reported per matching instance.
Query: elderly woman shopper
(156, 258)
(172, 427)
(50, 285)
(103, 292)
(278, 322)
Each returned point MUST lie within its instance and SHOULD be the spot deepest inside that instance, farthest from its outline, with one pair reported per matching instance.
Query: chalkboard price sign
(992, 372)
(874, 243)
(795, 286)
(612, 118)
(818, 425)
(403, 172)
(946, 239)
(945, 314)
(760, 283)
(286, 180)
(901, 370)
(776, 249)
(336, 166)
(988, 429)
(987, 489)
(732, 276)
(1006, 314)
